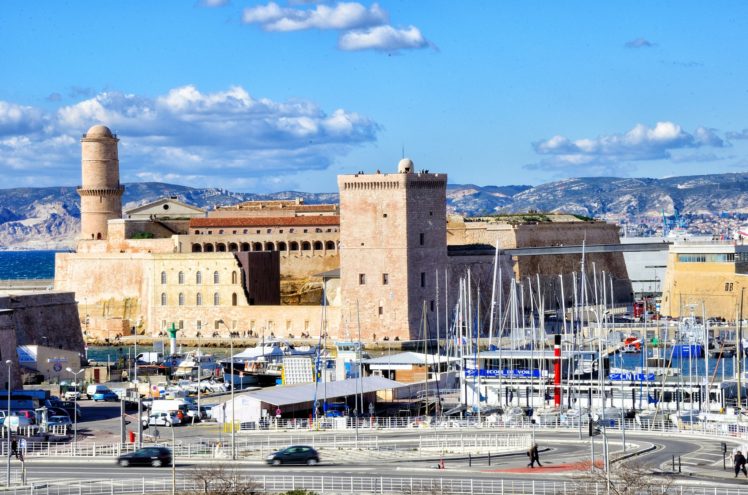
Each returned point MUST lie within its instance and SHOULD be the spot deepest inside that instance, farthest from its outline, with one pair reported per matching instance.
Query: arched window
(216, 277)
(163, 278)
(318, 245)
(269, 246)
(245, 246)
(282, 246)
(181, 299)
(233, 247)
(208, 248)
(199, 277)
(220, 247)
(256, 246)
(294, 246)
(163, 299)
(305, 246)
(199, 299)
(233, 277)
(330, 245)
(98, 236)
(233, 299)
(180, 277)
(197, 248)
(216, 299)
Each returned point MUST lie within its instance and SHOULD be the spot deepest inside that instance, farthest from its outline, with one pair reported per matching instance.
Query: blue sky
(270, 96)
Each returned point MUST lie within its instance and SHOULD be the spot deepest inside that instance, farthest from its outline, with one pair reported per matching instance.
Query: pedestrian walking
(22, 448)
(534, 456)
(14, 449)
(739, 464)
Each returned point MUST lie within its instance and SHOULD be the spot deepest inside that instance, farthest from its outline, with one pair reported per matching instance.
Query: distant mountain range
(49, 218)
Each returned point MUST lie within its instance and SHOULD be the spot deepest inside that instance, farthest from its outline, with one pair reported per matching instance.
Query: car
(105, 395)
(71, 408)
(30, 415)
(72, 395)
(93, 389)
(148, 456)
(295, 454)
(59, 421)
(16, 422)
(161, 419)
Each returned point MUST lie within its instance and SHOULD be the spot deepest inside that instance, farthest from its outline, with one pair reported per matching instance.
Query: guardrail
(340, 485)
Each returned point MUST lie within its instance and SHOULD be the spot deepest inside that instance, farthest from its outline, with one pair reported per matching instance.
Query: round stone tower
(100, 192)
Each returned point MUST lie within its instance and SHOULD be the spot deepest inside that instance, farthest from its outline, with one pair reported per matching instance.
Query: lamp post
(233, 404)
(75, 409)
(7, 424)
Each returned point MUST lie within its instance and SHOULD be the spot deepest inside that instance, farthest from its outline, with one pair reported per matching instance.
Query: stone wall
(8, 345)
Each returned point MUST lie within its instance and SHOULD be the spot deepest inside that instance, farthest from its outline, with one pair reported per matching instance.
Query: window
(199, 299)
(180, 277)
(199, 325)
(163, 299)
(270, 231)
(199, 278)
(728, 286)
(216, 299)
(181, 299)
(423, 279)
(421, 238)
(385, 279)
(216, 323)
(181, 324)
(163, 278)
(381, 310)
(384, 215)
(361, 279)
(233, 277)
(233, 299)
(216, 277)
(432, 305)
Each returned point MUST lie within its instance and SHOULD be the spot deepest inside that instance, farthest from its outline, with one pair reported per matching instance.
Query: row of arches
(198, 301)
(287, 247)
(199, 277)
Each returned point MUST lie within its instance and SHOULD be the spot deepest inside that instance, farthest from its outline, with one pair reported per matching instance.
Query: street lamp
(75, 408)
(7, 423)
(233, 403)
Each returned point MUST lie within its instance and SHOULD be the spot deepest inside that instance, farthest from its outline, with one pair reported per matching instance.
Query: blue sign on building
(472, 372)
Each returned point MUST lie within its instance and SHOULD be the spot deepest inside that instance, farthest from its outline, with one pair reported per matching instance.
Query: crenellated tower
(100, 192)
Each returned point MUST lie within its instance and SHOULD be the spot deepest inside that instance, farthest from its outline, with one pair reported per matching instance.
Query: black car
(148, 456)
(296, 454)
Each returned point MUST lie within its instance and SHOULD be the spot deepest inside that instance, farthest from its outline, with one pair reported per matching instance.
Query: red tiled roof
(311, 221)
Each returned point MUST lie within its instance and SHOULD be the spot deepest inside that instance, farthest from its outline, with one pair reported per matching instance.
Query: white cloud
(606, 153)
(342, 16)
(639, 43)
(360, 27)
(383, 38)
(217, 137)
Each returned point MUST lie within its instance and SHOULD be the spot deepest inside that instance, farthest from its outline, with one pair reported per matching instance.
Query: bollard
(470, 460)
(489, 458)
(673, 463)
(678, 464)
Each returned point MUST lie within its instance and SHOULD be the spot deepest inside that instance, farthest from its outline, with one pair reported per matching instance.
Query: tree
(221, 480)
(625, 479)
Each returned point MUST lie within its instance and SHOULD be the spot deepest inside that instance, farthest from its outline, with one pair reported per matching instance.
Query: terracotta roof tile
(310, 221)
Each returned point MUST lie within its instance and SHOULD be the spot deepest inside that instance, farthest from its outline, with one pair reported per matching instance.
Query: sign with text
(637, 377)
(472, 372)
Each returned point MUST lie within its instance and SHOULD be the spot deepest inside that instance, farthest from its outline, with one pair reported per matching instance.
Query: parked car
(91, 390)
(16, 422)
(56, 411)
(30, 415)
(295, 454)
(161, 419)
(59, 421)
(72, 395)
(148, 456)
(105, 395)
(71, 408)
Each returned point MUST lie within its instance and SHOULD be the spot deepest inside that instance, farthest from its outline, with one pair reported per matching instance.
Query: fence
(380, 485)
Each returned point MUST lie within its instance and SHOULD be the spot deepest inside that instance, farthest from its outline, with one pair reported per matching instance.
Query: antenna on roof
(403, 152)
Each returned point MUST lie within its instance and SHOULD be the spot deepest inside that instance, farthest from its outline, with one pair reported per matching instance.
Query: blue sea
(15, 265)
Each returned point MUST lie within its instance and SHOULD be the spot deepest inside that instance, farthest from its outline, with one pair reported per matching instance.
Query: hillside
(48, 218)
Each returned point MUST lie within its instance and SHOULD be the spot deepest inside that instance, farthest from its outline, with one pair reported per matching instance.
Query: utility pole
(173, 462)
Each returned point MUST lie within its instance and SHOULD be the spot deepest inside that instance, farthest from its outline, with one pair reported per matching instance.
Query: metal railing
(341, 485)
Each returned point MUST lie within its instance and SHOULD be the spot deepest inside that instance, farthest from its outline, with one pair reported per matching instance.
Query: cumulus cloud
(342, 16)
(202, 138)
(383, 38)
(737, 135)
(359, 27)
(639, 43)
(604, 153)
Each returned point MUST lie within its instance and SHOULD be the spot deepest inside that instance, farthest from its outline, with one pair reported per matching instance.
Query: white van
(94, 389)
(168, 405)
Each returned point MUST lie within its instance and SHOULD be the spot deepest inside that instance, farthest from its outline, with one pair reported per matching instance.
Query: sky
(285, 95)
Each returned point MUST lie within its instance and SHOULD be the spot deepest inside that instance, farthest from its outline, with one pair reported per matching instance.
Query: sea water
(27, 265)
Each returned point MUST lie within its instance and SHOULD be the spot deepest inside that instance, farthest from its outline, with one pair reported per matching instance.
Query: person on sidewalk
(739, 464)
(534, 456)
(14, 449)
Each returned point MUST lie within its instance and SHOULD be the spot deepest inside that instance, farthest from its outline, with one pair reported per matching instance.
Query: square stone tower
(393, 240)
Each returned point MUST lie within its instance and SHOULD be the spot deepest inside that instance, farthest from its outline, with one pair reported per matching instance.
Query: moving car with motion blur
(295, 454)
(148, 456)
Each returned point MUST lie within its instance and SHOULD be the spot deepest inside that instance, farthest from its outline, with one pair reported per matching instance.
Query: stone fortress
(380, 265)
